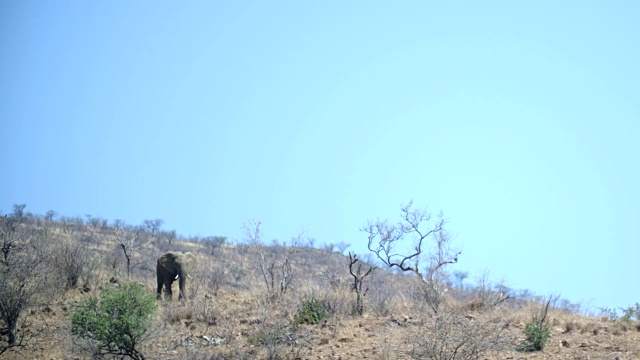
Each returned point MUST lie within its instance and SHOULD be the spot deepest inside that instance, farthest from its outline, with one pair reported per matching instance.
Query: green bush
(116, 323)
(536, 332)
(631, 313)
(536, 337)
(311, 311)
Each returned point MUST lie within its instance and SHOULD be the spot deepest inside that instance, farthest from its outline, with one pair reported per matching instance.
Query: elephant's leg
(181, 283)
(160, 284)
(167, 290)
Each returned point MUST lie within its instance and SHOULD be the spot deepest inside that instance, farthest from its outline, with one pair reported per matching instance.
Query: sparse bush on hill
(629, 317)
(311, 311)
(70, 261)
(213, 243)
(631, 313)
(117, 322)
(537, 331)
(381, 296)
(274, 268)
(454, 335)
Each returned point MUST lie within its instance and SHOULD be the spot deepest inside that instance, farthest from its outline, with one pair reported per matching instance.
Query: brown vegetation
(245, 299)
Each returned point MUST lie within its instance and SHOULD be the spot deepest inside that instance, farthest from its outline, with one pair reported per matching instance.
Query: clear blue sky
(520, 121)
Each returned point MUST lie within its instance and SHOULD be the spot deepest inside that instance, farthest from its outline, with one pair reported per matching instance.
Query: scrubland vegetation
(74, 288)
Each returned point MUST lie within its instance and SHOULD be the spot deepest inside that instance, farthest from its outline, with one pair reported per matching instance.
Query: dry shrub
(381, 297)
(571, 326)
(175, 314)
(220, 354)
(201, 310)
(205, 310)
(455, 335)
(207, 278)
(70, 261)
(279, 339)
(620, 327)
(272, 329)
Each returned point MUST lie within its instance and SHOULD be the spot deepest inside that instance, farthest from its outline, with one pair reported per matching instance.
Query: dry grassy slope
(229, 314)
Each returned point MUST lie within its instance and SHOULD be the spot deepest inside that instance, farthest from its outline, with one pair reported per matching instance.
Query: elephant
(174, 266)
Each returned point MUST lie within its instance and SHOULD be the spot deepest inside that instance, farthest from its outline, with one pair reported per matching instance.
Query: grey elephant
(174, 266)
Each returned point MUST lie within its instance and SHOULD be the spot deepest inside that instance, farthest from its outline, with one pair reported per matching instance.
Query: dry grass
(229, 314)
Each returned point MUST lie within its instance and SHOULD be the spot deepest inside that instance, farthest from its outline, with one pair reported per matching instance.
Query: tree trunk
(12, 331)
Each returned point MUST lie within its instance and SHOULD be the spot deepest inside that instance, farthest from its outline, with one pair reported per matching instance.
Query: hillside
(238, 309)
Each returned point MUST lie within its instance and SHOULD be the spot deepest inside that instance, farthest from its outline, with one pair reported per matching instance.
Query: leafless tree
(18, 210)
(390, 243)
(267, 264)
(50, 215)
(487, 294)
(10, 234)
(130, 242)
(153, 225)
(342, 246)
(24, 277)
(169, 236)
(358, 279)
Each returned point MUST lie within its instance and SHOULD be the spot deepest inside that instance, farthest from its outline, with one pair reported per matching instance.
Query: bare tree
(130, 243)
(358, 279)
(170, 236)
(50, 215)
(153, 225)
(342, 246)
(267, 264)
(415, 225)
(24, 277)
(213, 243)
(488, 295)
(10, 234)
(253, 233)
(18, 210)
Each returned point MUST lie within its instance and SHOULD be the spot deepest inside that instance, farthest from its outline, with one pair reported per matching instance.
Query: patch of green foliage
(311, 311)
(630, 316)
(537, 331)
(631, 313)
(536, 337)
(116, 323)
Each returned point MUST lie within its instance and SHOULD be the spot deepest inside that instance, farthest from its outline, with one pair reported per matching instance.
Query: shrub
(452, 335)
(116, 323)
(536, 337)
(631, 313)
(25, 280)
(537, 331)
(70, 261)
(311, 311)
